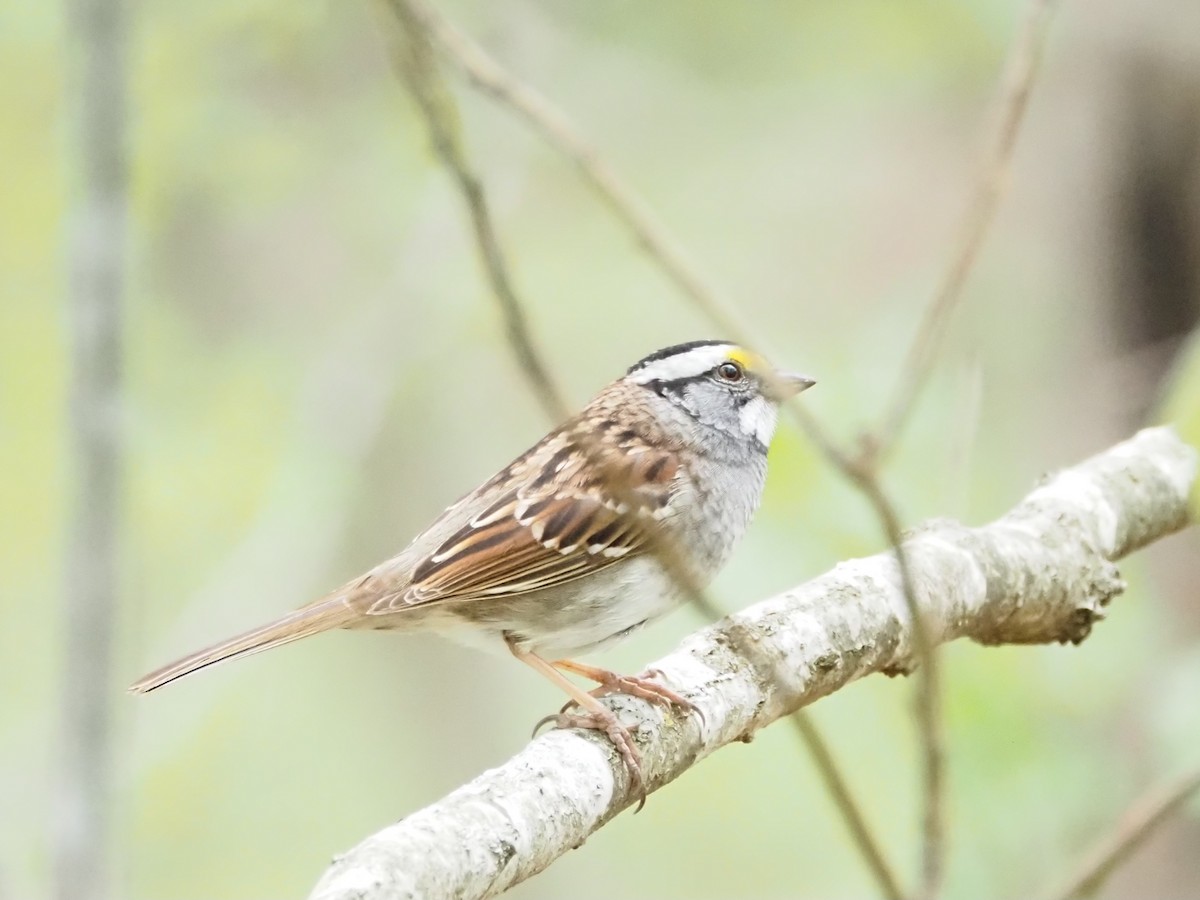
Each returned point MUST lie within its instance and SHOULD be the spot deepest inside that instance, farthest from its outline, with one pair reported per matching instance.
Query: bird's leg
(635, 685)
(595, 716)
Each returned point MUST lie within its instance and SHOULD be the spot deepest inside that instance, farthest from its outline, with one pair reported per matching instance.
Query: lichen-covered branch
(1042, 573)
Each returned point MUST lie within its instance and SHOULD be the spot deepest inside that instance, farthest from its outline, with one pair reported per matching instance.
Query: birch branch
(1042, 573)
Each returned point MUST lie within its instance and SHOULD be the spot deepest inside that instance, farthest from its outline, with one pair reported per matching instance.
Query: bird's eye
(729, 371)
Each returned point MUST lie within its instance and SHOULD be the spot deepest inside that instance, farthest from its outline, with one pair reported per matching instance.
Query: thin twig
(991, 183)
(98, 236)
(419, 69)
(1132, 830)
(860, 831)
(546, 119)
(928, 707)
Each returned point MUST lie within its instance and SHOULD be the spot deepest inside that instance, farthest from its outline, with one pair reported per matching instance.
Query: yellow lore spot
(748, 360)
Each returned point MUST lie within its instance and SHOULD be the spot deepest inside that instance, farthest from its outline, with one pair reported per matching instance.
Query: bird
(610, 521)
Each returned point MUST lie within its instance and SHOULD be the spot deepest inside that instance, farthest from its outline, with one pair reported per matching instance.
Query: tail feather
(321, 616)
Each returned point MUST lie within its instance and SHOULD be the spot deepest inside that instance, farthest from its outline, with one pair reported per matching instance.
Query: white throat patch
(758, 418)
(694, 362)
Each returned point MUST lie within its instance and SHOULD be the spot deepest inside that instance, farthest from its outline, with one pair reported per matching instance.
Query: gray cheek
(713, 406)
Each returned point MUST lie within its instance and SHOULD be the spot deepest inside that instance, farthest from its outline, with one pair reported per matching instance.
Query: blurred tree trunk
(1156, 228)
(1150, 193)
(96, 252)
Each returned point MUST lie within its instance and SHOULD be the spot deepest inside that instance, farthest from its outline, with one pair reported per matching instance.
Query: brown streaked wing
(546, 532)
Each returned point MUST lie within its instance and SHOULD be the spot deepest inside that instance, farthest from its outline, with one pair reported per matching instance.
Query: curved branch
(1020, 72)
(558, 131)
(1148, 812)
(1040, 574)
(839, 791)
(414, 58)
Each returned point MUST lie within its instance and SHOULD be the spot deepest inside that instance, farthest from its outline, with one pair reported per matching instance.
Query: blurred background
(314, 368)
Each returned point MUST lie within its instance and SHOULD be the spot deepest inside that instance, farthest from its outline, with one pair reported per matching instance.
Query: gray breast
(727, 493)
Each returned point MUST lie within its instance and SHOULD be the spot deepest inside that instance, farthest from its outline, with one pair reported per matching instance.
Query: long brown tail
(309, 620)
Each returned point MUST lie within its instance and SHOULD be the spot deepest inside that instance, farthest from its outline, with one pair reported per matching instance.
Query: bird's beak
(789, 384)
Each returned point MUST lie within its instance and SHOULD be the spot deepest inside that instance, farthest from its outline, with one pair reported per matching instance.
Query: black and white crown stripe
(681, 362)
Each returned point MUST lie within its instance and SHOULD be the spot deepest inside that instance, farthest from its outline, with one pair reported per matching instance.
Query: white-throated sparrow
(603, 525)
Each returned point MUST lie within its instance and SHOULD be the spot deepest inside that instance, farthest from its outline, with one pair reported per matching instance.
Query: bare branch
(928, 711)
(1134, 828)
(415, 61)
(839, 790)
(548, 121)
(1020, 72)
(98, 229)
(1040, 574)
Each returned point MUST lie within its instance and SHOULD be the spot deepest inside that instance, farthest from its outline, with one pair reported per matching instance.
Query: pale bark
(1042, 573)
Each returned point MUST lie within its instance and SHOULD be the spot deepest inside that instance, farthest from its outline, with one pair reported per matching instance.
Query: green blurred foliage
(1181, 406)
(315, 368)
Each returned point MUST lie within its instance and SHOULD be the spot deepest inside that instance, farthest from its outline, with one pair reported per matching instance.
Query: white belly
(575, 618)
